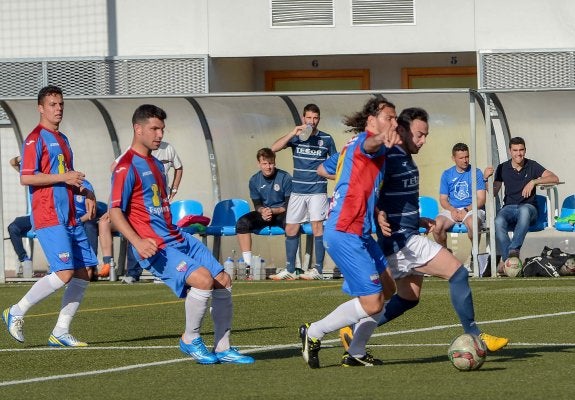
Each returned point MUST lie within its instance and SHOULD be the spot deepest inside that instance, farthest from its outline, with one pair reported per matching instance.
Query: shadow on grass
(206, 334)
(495, 361)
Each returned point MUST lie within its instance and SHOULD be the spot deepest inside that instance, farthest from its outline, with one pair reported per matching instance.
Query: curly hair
(358, 121)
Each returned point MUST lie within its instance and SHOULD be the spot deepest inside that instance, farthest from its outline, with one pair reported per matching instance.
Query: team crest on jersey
(375, 279)
(64, 257)
(79, 198)
(277, 187)
(182, 266)
(320, 142)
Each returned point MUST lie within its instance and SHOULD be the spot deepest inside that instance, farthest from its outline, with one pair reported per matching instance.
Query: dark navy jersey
(307, 156)
(399, 198)
(271, 191)
(515, 181)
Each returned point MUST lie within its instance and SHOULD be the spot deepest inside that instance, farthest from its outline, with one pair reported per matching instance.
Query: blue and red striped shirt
(139, 189)
(358, 178)
(48, 152)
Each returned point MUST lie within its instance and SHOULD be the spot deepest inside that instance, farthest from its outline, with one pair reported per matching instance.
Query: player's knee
(243, 225)
(222, 280)
(201, 278)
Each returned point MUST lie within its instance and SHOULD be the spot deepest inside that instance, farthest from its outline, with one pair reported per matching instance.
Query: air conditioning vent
(298, 13)
(383, 12)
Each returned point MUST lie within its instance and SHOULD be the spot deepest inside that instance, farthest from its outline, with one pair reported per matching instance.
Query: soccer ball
(467, 352)
(568, 268)
(513, 267)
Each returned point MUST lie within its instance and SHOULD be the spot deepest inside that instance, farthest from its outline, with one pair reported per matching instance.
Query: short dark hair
(358, 121)
(459, 147)
(47, 91)
(147, 111)
(517, 140)
(407, 116)
(266, 153)
(311, 107)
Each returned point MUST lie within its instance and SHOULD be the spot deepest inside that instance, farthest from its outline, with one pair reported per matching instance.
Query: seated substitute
(455, 196)
(520, 176)
(270, 189)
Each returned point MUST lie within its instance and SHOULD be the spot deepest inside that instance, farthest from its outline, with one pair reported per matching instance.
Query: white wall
(224, 28)
(169, 27)
(242, 28)
(56, 28)
(525, 24)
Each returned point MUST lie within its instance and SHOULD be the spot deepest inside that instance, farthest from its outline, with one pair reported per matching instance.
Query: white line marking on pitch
(261, 349)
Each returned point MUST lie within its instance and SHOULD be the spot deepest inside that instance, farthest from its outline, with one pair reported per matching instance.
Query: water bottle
(241, 269)
(256, 268)
(229, 267)
(305, 133)
(113, 275)
(27, 269)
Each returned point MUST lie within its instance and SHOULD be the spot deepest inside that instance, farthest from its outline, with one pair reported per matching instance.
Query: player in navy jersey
(309, 195)
(48, 170)
(270, 189)
(140, 210)
(409, 254)
(348, 229)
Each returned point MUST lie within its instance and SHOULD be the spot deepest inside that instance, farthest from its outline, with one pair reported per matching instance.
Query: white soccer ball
(513, 266)
(568, 268)
(467, 352)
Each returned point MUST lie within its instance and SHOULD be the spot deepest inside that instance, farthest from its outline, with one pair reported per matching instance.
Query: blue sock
(292, 243)
(106, 259)
(319, 253)
(462, 300)
(397, 306)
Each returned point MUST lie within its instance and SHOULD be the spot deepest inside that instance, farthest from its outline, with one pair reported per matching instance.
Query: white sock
(362, 333)
(222, 312)
(43, 288)
(345, 314)
(196, 305)
(247, 256)
(71, 300)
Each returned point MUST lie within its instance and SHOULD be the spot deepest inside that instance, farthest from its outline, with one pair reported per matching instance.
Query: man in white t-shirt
(169, 158)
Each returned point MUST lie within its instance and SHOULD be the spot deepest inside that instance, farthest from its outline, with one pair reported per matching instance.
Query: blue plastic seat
(183, 208)
(542, 214)
(226, 215)
(567, 211)
(270, 231)
(428, 208)
(224, 218)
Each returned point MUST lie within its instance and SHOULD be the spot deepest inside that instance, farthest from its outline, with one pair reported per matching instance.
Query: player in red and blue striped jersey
(409, 254)
(348, 229)
(47, 169)
(140, 210)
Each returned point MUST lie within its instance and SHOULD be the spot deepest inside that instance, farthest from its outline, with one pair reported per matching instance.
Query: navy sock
(462, 300)
(397, 306)
(292, 243)
(106, 259)
(319, 253)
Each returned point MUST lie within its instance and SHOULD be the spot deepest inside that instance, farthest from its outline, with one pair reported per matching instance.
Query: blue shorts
(174, 263)
(360, 260)
(66, 247)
